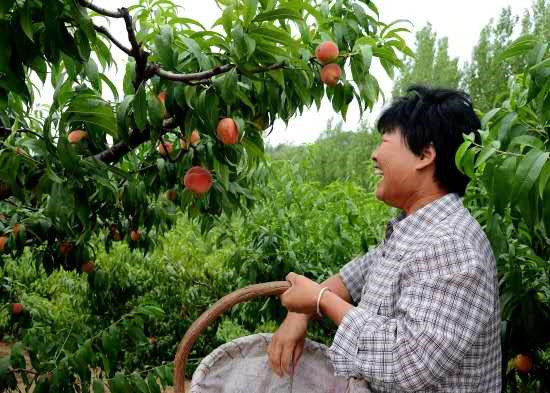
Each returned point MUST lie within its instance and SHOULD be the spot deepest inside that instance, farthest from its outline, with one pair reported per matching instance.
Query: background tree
(431, 64)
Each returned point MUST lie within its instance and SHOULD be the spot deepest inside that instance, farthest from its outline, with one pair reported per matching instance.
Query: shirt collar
(427, 216)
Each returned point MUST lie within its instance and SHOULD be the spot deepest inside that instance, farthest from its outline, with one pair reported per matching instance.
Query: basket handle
(210, 315)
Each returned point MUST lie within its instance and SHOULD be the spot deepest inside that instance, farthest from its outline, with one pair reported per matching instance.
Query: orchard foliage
(255, 65)
(511, 197)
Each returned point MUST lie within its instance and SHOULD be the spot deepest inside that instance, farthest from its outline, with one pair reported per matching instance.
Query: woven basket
(241, 366)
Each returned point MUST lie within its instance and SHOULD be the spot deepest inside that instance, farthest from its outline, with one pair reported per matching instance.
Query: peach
(195, 139)
(330, 74)
(3, 241)
(17, 308)
(523, 363)
(198, 180)
(135, 235)
(76, 136)
(87, 267)
(227, 131)
(327, 52)
(165, 149)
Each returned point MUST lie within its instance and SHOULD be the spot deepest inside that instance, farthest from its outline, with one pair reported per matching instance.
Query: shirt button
(383, 253)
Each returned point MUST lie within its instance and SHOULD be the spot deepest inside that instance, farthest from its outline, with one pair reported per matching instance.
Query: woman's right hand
(287, 343)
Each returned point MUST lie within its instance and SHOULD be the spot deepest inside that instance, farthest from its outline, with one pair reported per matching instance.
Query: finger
(291, 277)
(298, 350)
(286, 359)
(274, 357)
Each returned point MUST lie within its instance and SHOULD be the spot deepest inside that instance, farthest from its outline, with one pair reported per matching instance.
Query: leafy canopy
(255, 65)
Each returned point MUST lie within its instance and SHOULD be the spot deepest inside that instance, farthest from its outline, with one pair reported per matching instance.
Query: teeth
(378, 172)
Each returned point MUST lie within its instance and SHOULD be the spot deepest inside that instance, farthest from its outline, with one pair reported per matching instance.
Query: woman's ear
(427, 157)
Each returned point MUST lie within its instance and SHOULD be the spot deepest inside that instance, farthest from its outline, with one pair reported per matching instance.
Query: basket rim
(221, 353)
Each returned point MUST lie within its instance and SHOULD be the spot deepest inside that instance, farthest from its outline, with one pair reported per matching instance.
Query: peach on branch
(88, 267)
(65, 248)
(16, 229)
(330, 74)
(3, 241)
(17, 308)
(327, 52)
(165, 149)
(198, 180)
(523, 363)
(195, 139)
(76, 136)
(135, 235)
(171, 195)
(162, 96)
(227, 131)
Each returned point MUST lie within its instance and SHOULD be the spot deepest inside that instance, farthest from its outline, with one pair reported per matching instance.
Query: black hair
(427, 115)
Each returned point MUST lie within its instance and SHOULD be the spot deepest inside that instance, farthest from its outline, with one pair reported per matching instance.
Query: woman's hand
(287, 344)
(301, 297)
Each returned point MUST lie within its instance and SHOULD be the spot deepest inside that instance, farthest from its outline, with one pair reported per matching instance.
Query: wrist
(299, 316)
(318, 301)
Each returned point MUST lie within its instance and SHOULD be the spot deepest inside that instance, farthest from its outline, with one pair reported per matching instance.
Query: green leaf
(279, 13)
(196, 51)
(243, 44)
(163, 44)
(527, 140)
(488, 116)
(92, 73)
(97, 386)
(459, 156)
(504, 176)
(140, 107)
(250, 9)
(17, 358)
(505, 125)
(366, 56)
(119, 384)
(25, 20)
(155, 109)
(278, 76)
(152, 383)
(528, 172)
(485, 154)
(139, 383)
(226, 84)
(227, 19)
(544, 177)
(518, 47)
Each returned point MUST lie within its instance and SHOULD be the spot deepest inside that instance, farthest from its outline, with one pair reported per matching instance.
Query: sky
(460, 21)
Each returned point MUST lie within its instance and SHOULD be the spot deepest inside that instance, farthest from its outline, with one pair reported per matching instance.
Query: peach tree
(185, 132)
(121, 168)
(510, 195)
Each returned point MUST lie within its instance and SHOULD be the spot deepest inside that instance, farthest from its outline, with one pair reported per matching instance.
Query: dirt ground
(5, 350)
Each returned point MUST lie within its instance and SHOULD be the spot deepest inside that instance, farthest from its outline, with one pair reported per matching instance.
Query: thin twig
(197, 76)
(506, 153)
(26, 130)
(99, 10)
(24, 370)
(106, 33)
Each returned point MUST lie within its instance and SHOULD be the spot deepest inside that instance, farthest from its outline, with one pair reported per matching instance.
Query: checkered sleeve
(353, 276)
(441, 311)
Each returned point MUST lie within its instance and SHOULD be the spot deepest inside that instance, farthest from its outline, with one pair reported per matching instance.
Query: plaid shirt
(427, 317)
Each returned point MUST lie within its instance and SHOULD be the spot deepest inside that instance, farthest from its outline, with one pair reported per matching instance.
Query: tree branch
(106, 33)
(116, 152)
(204, 76)
(197, 76)
(143, 72)
(99, 10)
